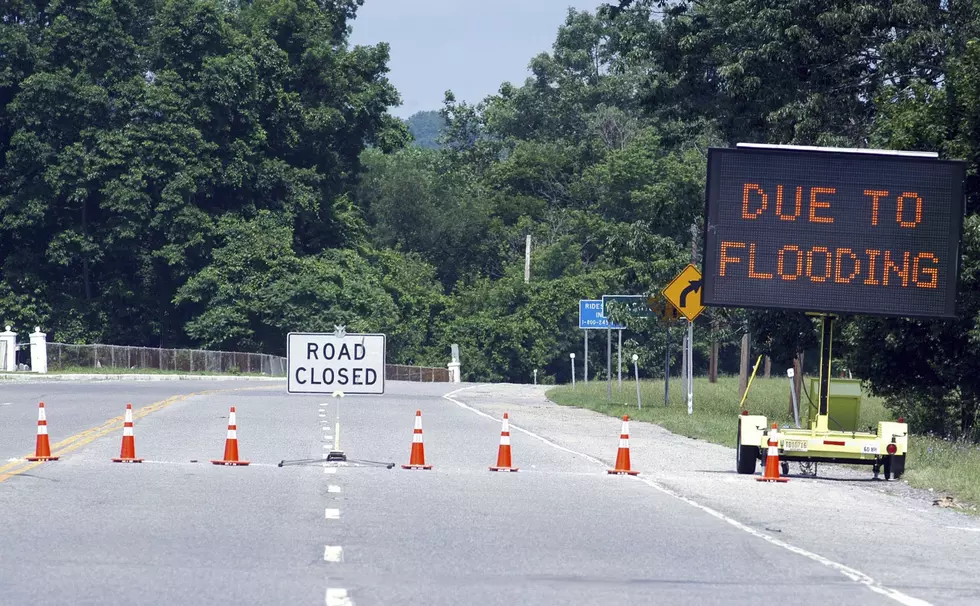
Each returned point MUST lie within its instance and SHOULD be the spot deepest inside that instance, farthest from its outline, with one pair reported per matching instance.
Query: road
(177, 529)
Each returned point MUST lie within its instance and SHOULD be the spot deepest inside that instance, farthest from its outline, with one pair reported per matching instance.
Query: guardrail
(420, 374)
(66, 355)
(63, 356)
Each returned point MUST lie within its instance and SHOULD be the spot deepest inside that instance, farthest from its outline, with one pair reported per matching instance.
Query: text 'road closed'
(329, 362)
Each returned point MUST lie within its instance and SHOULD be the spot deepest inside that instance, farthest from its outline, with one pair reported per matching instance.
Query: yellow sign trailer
(884, 450)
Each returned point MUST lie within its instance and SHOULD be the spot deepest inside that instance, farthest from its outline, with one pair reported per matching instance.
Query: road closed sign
(329, 362)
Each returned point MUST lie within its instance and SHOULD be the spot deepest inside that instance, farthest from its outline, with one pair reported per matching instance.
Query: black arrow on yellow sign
(693, 286)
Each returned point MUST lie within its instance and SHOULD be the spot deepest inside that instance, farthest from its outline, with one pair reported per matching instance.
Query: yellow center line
(82, 438)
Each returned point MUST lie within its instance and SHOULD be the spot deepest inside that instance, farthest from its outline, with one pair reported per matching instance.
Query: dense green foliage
(216, 173)
(426, 128)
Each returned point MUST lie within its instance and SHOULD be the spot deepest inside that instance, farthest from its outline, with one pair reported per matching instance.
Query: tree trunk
(713, 363)
(85, 267)
(767, 368)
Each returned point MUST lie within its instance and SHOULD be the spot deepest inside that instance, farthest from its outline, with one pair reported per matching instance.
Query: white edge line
(963, 528)
(855, 575)
(338, 597)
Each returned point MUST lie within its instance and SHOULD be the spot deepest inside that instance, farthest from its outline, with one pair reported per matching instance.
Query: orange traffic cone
(128, 452)
(231, 444)
(503, 453)
(417, 461)
(623, 456)
(772, 459)
(42, 451)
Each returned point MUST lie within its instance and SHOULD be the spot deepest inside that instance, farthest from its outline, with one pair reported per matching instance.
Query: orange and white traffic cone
(231, 443)
(623, 456)
(503, 453)
(42, 450)
(128, 452)
(417, 460)
(772, 459)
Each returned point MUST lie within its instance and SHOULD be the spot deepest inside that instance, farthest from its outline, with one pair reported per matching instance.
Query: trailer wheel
(745, 456)
(894, 466)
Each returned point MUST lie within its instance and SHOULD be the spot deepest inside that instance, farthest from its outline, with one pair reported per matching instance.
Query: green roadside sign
(635, 306)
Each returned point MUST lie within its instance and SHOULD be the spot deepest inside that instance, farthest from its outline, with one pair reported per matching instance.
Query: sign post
(690, 367)
(335, 362)
(636, 371)
(667, 370)
(619, 352)
(592, 317)
(571, 356)
(608, 364)
(684, 293)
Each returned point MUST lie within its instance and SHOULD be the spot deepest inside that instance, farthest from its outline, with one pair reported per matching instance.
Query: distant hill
(426, 128)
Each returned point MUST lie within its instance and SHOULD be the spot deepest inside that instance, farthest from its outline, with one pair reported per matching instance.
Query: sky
(468, 46)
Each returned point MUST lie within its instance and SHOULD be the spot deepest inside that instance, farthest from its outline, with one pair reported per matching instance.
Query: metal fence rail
(64, 355)
(419, 374)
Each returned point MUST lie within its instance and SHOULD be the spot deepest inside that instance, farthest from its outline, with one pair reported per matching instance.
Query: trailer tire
(745, 456)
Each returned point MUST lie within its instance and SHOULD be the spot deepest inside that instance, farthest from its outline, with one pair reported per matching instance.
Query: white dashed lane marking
(333, 488)
(330, 470)
(331, 514)
(333, 553)
(338, 597)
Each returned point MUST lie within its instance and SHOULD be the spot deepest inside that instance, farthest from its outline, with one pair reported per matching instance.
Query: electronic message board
(832, 231)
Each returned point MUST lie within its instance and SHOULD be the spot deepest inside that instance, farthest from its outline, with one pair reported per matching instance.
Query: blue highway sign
(590, 316)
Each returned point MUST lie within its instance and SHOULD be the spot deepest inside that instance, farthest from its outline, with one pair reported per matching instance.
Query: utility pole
(527, 260)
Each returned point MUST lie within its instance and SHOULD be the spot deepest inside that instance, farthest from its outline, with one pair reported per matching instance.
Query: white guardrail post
(8, 339)
(39, 351)
(454, 372)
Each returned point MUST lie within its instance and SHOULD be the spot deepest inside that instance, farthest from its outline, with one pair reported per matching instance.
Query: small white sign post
(335, 362)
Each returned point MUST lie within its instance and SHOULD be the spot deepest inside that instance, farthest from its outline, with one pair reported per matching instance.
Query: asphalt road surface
(176, 529)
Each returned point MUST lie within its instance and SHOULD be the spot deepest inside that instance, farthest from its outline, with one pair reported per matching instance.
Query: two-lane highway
(175, 529)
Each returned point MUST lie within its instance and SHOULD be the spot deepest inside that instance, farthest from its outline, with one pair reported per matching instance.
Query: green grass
(715, 405)
(76, 370)
(946, 467)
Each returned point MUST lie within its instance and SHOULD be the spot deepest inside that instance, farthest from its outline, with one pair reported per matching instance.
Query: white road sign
(326, 362)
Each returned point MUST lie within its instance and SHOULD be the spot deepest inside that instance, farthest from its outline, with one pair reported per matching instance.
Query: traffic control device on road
(772, 459)
(42, 450)
(128, 452)
(231, 444)
(503, 453)
(623, 456)
(417, 461)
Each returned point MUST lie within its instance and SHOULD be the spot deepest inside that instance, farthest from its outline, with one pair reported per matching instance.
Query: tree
(130, 130)
(426, 128)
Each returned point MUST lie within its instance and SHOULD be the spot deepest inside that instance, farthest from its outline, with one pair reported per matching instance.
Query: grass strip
(943, 466)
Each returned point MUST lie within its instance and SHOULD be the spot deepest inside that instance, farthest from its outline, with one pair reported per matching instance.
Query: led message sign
(832, 231)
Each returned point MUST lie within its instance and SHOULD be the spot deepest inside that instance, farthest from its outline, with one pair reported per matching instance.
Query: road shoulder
(895, 536)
